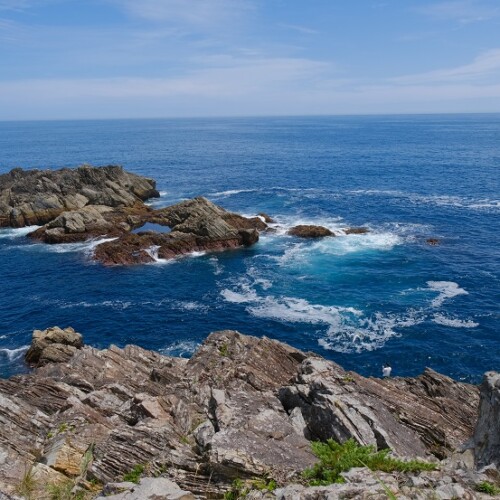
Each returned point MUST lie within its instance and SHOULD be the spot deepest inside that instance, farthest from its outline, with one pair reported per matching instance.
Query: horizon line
(229, 117)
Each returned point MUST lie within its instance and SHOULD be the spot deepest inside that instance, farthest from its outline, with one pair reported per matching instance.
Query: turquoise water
(360, 300)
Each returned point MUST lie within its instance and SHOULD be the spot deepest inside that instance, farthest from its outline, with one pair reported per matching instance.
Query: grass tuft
(335, 458)
(488, 488)
(134, 476)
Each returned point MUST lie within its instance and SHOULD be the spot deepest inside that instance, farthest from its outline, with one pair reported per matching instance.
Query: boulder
(150, 488)
(487, 432)
(29, 197)
(53, 345)
(309, 231)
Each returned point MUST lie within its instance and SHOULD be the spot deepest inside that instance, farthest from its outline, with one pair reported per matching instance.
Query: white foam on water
(446, 289)
(190, 306)
(441, 319)
(12, 233)
(437, 200)
(218, 268)
(13, 354)
(3, 337)
(232, 192)
(303, 252)
(180, 348)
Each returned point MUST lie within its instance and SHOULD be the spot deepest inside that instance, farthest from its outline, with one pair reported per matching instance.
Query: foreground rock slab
(241, 407)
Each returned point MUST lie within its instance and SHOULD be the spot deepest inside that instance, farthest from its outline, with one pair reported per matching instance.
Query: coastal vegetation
(335, 458)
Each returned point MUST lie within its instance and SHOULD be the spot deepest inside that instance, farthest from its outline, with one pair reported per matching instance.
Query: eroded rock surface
(196, 225)
(241, 407)
(35, 197)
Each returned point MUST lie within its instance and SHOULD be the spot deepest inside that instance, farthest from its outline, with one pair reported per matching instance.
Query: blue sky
(170, 58)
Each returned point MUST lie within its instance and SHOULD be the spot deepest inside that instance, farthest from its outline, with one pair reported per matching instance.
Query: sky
(86, 59)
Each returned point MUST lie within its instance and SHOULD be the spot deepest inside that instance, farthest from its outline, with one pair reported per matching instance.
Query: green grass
(237, 491)
(335, 458)
(224, 350)
(488, 488)
(134, 476)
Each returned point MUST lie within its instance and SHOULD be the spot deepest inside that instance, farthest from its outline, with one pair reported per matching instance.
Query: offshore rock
(309, 231)
(241, 407)
(356, 230)
(196, 225)
(53, 345)
(35, 197)
(487, 433)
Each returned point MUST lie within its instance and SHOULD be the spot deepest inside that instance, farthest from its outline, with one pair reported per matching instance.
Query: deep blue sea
(360, 300)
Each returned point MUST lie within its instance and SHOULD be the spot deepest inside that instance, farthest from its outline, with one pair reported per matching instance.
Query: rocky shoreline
(242, 408)
(74, 205)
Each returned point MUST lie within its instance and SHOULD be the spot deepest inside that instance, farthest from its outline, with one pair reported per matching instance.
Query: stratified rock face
(309, 231)
(35, 197)
(196, 225)
(487, 433)
(240, 407)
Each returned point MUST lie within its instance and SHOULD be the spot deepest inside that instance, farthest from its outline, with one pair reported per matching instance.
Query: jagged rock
(309, 231)
(197, 225)
(29, 197)
(267, 218)
(151, 489)
(53, 345)
(240, 407)
(487, 432)
(410, 416)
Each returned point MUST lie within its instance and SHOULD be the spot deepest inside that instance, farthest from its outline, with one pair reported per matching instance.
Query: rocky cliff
(241, 407)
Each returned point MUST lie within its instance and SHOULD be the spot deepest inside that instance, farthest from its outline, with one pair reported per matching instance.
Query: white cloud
(463, 11)
(482, 67)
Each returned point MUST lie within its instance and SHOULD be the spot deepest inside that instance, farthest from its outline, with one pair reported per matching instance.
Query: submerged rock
(35, 197)
(241, 407)
(309, 231)
(356, 230)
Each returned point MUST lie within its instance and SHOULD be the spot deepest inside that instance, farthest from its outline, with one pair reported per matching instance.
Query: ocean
(359, 300)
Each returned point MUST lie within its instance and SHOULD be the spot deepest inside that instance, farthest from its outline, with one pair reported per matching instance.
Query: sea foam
(446, 289)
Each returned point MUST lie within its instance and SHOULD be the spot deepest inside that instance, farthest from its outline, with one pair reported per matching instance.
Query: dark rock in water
(267, 218)
(196, 225)
(357, 230)
(241, 407)
(432, 241)
(29, 197)
(487, 434)
(53, 345)
(308, 231)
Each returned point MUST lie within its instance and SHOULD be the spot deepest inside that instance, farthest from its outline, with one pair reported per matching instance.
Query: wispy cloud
(300, 29)
(194, 12)
(482, 67)
(462, 11)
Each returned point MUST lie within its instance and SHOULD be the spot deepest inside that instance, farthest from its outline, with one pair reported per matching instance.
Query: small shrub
(335, 458)
(27, 486)
(61, 491)
(264, 484)
(134, 476)
(237, 491)
(488, 488)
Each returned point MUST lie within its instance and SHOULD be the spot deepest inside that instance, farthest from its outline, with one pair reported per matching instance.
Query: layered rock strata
(241, 407)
